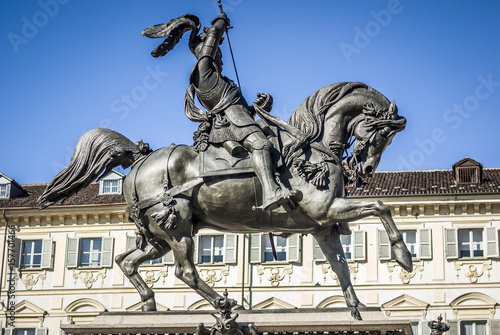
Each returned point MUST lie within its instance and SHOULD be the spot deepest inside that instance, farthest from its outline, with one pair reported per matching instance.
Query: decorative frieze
(152, 274)
(215, 274)
(326, 270)
(405, 276)
(473, 269)
(89, 276)
(30, 277)
(275, 274)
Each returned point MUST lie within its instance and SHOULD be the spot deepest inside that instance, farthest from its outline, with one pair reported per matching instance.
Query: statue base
(283, 321)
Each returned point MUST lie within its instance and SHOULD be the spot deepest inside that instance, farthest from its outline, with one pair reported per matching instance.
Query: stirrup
(277, 201)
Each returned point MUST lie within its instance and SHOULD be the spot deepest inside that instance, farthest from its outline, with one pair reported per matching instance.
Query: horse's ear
(393, 110)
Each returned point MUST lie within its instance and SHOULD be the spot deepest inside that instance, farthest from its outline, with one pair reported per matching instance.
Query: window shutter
(9, 331)
(107, 252)
(293, 245)
(41, 331)
(450, 235)
(120, 186)
(359, 245)
(130, 242)
(425, 247)
(101, 187)
(384, 246)
(15, 252)
(196, 257)
(72, 253)
(491, 238)
(494, 326)
(168, 258)
(453, 327)
(47, 250)
(255, 248)
(318, 254)
(230, 248)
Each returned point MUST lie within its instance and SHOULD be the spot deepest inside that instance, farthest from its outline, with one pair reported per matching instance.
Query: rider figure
(229, 113)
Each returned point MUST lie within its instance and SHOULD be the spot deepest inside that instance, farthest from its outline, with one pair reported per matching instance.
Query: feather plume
(173, 30)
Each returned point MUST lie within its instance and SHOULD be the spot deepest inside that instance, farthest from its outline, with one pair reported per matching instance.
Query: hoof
(403, 257)
(149, 305)
(355, 314)
(344, 228)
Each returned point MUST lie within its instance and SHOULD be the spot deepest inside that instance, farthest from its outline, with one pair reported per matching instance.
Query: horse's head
(373, 131)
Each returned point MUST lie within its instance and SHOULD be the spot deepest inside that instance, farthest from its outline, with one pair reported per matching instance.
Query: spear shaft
(229, 43)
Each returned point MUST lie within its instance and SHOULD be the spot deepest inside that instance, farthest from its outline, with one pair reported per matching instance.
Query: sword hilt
(220, 6)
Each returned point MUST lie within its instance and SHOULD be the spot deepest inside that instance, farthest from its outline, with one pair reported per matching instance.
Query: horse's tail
(97, 152)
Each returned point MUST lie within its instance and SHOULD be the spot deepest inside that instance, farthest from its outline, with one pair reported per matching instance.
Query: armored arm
(214, 37)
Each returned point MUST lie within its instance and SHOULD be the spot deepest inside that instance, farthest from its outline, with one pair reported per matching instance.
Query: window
(473, 328)
(32, 255)
(215, 249)
(418, 242)
(89, 252)
(36, 254)
(287, 249)
(468, 175)
(4, 190)
(471, 242)
(25, 331)
(353, 246)
(111, 184)
(410, 238)
(280, 244)
(211, 248)
(415, 328)
(29, 331)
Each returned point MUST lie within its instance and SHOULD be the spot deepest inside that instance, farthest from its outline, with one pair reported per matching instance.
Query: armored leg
(273, 194)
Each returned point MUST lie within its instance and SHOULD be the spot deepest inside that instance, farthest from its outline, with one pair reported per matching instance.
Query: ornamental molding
(214, 274)
(275, 274)
(326, 269)
(152, 274)
(89, 277)
(405, 276)
(473, 269)
(29, 277)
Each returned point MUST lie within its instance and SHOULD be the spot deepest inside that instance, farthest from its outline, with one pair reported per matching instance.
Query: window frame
(490, 242)
(357, 247)
(5, 194)
(422, 245)
(474, 322)
(228, 249)
(74, 252)
(46, 254)
(293, 249)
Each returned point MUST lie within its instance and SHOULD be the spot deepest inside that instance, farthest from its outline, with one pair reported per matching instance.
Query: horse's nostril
(368, 170)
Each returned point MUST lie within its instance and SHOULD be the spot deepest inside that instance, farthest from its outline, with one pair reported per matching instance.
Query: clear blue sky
(70, 66)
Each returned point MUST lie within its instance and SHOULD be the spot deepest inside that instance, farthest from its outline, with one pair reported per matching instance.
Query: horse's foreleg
(129, 263)
(343, 210)
(331, 246)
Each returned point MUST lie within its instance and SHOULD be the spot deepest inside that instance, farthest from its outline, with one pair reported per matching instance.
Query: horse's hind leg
(130, 261)
(330, 244)
(182, 244)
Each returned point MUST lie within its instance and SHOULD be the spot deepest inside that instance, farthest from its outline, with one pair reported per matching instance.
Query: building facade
(58, 263)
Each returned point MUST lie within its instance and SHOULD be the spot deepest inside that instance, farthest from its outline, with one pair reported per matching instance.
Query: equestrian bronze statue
(242, 176)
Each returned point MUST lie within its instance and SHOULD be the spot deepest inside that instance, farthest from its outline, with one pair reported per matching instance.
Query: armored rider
(229, 115)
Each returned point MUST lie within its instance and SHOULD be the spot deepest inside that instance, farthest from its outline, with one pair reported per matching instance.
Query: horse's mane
(309, 115)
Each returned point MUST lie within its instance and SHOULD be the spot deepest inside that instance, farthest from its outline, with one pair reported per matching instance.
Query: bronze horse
(170, 196)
